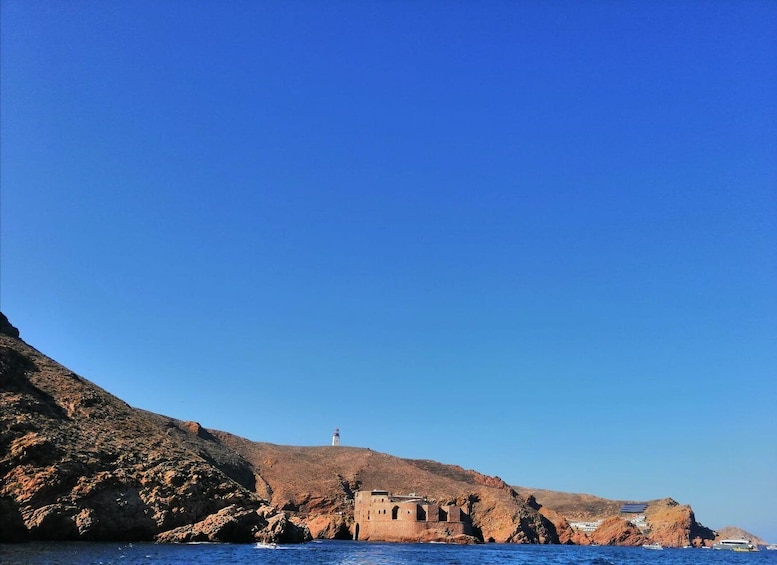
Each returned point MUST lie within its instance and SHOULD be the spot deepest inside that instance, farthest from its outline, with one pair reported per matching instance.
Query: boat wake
(261, 545)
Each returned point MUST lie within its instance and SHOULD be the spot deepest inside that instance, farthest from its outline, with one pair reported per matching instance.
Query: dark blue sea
(362, 553)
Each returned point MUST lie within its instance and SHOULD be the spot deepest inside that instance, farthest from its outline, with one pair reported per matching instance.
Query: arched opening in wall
(394, 512)
(420, 513)
(443, 515)
(356, 532)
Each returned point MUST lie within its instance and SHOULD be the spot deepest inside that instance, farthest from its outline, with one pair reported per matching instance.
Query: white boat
(734, 544)
(652, 546)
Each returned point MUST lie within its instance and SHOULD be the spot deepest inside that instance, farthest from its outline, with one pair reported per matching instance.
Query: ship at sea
(735, 545)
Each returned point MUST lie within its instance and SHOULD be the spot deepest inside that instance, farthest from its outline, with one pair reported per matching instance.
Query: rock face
(674, 525)
(566, 534)
(617, 531)
(239, 524)
(329, 527)
(78, 463)
(668, 523)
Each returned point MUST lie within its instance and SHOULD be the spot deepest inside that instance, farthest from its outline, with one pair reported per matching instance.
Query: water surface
(362, 553)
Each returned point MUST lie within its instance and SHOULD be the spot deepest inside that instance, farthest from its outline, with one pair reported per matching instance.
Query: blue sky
(533, 239)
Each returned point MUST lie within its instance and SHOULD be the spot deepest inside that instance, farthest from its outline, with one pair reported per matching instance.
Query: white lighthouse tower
(336, 437)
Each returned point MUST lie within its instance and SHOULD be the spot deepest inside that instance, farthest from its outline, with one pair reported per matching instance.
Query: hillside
(318, 483)
(78, 463)
(573, 506)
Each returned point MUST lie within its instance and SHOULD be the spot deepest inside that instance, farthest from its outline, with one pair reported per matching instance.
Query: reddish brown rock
(78, 463)
(329, 526)
(674, 525)
(282, 528)
(566, 534)
(668, 522)
(617, 531)
(502, 522)
(238, 524)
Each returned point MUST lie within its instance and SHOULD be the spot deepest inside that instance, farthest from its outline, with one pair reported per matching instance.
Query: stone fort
(381, 516)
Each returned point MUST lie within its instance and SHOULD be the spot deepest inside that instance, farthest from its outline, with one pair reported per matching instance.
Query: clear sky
(535, 239)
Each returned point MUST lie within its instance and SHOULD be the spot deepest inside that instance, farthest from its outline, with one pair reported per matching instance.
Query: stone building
(381, 516)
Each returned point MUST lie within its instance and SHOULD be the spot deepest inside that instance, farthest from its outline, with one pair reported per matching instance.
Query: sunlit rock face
(77, 463)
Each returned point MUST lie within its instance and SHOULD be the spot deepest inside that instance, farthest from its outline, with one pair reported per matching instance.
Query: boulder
(229, 525)
(617, 531)
(329, 526)
(281, 528)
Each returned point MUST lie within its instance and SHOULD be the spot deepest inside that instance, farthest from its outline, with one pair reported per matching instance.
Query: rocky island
(77, 463)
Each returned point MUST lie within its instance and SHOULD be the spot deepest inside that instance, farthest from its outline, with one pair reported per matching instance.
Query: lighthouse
(336, 437)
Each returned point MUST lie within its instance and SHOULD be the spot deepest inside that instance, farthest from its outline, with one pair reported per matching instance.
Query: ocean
(361, 553)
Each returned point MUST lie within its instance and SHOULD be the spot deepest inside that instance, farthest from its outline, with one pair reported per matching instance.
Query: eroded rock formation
(78, 463)
(617, 531)
(665, 522)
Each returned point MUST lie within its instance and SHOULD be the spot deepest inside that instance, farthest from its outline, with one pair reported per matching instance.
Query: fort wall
(381, 516)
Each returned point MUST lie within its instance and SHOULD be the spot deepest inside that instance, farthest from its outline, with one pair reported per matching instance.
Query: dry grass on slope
(292, 473)
(574, 506)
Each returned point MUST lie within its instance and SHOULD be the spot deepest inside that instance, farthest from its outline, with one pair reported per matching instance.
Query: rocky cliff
(666, 521)
(78, 463)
